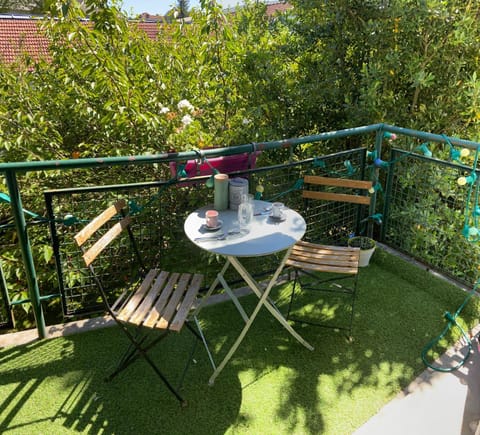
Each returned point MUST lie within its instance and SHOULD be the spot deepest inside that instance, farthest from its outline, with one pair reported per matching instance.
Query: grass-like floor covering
(272, 385)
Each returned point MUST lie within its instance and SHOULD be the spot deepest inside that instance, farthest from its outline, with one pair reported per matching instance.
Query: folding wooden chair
(320, 267)
(157, 301)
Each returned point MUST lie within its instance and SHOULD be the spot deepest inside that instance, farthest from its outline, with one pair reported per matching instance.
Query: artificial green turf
(272, 385)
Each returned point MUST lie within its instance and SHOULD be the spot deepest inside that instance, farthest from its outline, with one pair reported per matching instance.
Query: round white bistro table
(266, 236)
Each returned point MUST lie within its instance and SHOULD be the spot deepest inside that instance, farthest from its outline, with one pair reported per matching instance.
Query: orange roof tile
(22, 35)
(273, 8)
(19, 36)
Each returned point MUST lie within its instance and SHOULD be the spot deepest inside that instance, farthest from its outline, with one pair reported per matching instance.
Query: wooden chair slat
(302, 246)
(338, 182)
(137, 298)
(327, 260)
(143, 310)
(324, 268)
(157, 311)
(175, 299)
(336, 196)
(82, 236)
(324, 258)
(93, 252)
(340, 197)
(186, 304)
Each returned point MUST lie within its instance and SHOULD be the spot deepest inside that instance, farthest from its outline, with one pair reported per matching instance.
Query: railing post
(373, 203)
(5, 298)
(21, 226)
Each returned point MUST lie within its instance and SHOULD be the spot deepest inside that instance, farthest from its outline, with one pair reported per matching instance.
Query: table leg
(212, 288)
(235, 300)
(221, 279)
(263, 296)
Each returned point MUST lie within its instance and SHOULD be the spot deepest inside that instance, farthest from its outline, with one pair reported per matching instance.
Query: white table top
(266, 236)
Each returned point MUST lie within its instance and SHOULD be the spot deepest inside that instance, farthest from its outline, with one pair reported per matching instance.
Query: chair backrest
(90, 254)
(345, 190)
(343, 206)
(97, 235)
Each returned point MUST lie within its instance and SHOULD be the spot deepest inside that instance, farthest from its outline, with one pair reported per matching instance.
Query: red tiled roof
(19, 36)
(149, 27)
(23, 35)
(274, 8)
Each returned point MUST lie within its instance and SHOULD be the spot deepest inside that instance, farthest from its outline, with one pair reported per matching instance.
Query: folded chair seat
(324, 258)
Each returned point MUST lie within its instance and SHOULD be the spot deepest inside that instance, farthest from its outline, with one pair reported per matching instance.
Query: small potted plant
(367, 247)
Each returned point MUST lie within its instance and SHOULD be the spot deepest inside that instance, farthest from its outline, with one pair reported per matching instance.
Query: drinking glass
(245, 212)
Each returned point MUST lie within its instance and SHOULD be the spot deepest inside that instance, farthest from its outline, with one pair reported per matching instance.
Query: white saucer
(279, 218)
(220, 223)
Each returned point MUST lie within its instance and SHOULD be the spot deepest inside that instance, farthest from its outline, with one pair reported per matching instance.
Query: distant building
(274, 7)
(145, 16)
(21, 35)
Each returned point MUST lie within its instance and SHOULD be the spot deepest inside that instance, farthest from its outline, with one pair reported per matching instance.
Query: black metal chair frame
(340, 261)
(176, 292)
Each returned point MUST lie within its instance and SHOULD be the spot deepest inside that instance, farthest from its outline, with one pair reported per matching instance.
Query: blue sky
(162, 6)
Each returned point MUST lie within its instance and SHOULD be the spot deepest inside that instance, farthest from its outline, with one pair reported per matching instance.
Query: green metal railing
(371, 167)
(5, 314)
(159, 210)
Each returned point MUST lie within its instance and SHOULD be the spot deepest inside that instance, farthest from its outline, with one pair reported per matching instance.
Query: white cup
(277, 210)
(211, 218)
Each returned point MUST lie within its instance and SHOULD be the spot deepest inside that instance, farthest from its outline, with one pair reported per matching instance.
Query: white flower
(187, 119)
(246, 121)
(164, 110)
(185, 104)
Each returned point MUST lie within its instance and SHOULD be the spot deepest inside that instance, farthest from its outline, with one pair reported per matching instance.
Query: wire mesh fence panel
(6, 237)
(15, 300)
(332, 222)
(425, 214)
(159, 210)
(423, 211)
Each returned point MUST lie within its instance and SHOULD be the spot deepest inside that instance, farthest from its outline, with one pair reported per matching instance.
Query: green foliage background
(321, 66)
(108, 89)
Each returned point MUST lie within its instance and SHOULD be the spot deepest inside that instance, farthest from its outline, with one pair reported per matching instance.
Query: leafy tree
(24, 6)
(183, 8)
(376, 61)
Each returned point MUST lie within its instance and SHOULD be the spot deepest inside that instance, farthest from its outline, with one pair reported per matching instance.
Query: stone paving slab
(436, 403)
